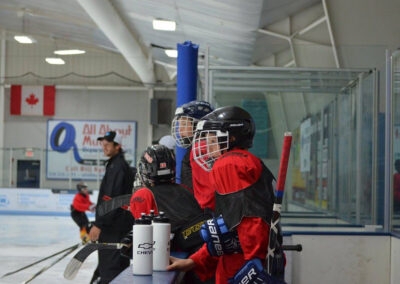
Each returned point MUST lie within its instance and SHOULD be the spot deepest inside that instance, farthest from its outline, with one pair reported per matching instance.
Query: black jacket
(118, 180)
(186, 170)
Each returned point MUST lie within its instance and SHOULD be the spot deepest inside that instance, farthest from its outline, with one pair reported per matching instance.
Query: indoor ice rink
(328, 71)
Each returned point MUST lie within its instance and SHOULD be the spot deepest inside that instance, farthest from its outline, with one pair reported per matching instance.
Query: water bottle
(161, 237)
(142, 247)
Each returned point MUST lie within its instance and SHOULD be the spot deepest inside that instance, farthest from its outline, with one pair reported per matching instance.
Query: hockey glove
(218, 238)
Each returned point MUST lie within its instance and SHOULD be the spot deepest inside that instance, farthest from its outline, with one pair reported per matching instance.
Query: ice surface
(25, 239)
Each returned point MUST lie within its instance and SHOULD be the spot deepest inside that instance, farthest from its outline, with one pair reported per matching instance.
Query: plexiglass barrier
(395, 188)
(333, 117)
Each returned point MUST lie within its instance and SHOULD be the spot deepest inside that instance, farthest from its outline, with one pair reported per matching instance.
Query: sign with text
(73, 149)
(305, 145)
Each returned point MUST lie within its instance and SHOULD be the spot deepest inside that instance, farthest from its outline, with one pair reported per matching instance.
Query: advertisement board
(74, 152)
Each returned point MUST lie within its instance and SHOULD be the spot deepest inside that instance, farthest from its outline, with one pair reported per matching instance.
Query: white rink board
(37, 201)
(355, 259)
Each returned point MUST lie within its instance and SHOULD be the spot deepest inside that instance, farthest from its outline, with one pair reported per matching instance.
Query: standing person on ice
(112, 227)
(243, 198)
(80, 204)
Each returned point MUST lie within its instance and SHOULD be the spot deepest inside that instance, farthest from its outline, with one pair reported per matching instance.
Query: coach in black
(112, 227)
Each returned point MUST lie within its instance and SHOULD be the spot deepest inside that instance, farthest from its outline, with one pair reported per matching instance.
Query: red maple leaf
(32, 100)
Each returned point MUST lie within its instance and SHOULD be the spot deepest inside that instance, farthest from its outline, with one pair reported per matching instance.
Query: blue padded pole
(186, 87)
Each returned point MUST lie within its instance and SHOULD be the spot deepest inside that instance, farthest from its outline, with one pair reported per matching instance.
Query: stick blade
(76, 262)
(72, 269)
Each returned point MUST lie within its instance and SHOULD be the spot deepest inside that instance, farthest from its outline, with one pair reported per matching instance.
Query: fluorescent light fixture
(171, 53)
(69, 52)
(55, 60)
(24, 39)
(164, 25)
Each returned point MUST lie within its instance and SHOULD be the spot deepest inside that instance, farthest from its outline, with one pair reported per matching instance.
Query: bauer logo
(215, 237)
(4, 201)
(249, 277)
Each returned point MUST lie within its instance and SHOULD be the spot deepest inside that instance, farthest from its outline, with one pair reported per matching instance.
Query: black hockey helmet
(234, 120)
(80, 186)
(157, 165)
(185, 120)
(222, 130)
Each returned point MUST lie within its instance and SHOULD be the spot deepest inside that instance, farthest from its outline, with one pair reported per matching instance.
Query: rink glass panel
(395, 206)
(332, 115)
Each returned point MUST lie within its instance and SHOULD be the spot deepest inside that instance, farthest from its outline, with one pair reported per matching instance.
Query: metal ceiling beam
(110, 22)
(296, 90)
(328, 23)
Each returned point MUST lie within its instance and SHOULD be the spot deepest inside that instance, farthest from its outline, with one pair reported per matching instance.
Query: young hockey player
(159, 192)
(243, 199)
(80, 204)
(183, 127)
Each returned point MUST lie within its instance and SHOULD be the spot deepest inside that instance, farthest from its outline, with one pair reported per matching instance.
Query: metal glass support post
(375, 146)
(388, 145)
(211, 98)
(10, 177)
(150, 126)
(41, 167)
(359, 143)
(206, 65)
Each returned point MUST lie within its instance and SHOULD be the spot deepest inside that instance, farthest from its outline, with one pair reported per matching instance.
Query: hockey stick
(107, 206)
(38, 261)
(51, 264)
(276, 214)
(76, 262)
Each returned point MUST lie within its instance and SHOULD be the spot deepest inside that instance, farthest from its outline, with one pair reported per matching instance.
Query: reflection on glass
(331, 115)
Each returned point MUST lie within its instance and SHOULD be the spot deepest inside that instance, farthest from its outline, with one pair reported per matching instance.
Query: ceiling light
(164, 25)
(171, 53)
(69, 52)
(24, 39)
(54, 60)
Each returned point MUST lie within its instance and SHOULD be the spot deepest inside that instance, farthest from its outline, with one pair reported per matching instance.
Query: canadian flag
(32, 100)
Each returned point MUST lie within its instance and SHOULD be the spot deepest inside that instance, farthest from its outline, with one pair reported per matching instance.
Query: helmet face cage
(208, 146)
(182, 130)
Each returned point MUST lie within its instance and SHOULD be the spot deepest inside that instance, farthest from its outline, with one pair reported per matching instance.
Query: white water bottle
(142, 247)
(161, 237)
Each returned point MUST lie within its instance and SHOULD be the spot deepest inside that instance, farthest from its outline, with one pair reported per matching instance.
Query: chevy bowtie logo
(146, 245)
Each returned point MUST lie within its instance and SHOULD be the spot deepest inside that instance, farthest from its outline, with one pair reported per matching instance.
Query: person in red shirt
(182, 130)
(156, 169)
(243, 197)
(80, 204)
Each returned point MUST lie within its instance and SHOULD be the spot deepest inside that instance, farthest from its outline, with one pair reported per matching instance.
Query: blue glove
(253, 272)
(218, 238)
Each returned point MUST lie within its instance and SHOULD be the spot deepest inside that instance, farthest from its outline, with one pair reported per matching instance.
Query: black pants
(80, 219)
(111, 263)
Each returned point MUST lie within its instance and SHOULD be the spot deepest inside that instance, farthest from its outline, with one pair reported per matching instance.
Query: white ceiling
(227, 27)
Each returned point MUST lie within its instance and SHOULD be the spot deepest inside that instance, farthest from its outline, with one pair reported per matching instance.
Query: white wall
(355, 259)
(25, 131)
